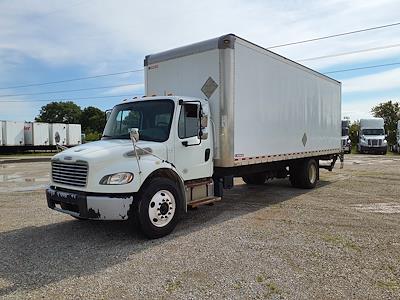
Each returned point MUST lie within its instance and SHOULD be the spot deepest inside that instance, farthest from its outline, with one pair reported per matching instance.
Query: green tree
(92, 120)
(390, 112)
(354, 129)
(60, 112)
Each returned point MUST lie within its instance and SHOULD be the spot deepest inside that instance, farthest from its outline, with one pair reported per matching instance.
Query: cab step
(204, 201)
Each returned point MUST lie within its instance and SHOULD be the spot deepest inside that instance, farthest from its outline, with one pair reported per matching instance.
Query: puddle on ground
(19, 178)
(30, 188)
(383, 208)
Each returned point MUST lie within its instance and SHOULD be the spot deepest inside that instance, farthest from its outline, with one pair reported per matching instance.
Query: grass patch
(388, 285)
(259, 278)
(238, 285)
(342, 242)
(172, 286)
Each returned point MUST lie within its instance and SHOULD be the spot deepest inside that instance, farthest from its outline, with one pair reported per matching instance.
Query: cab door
(193, 155)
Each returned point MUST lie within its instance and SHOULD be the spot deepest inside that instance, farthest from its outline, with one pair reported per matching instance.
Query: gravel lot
(340, 240)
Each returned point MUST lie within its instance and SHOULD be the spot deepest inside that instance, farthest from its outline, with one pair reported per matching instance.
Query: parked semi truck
(346, 142)
(372, 137)
(214, 110)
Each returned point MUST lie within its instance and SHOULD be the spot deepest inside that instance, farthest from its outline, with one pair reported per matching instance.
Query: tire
(305, 174)
(158, 208)
(256, 178)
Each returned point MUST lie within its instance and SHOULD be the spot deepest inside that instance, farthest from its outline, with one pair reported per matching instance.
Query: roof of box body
(222, 42)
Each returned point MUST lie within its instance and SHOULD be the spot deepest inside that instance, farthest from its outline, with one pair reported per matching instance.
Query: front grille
(375, 142)
(74, 174)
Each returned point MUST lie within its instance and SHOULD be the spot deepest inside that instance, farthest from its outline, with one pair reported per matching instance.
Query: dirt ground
(340, 240)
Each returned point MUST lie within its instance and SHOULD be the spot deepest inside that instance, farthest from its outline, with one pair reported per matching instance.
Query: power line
(271, 47)
(362, 68)
(133, 95)
(60, 100)
(348, 53)
(335, 35)
(76, 90)
(69, 80)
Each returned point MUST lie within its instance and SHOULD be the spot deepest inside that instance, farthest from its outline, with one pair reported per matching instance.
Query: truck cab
(103, 179)
(372, 137)
(346, 142)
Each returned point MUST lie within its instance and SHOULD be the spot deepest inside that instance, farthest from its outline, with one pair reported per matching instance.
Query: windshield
(345, 131)
(373, 132)
(152, 117)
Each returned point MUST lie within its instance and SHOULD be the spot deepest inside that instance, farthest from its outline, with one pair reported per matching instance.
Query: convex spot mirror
(134, 134)
(108, 114)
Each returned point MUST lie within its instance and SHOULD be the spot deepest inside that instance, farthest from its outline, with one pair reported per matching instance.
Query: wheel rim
(312, 173)
(162, 208)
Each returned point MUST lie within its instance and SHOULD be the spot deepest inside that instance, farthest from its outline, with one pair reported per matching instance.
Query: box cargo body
(36, 134)
(73, 134)
(264, 107)
(13, 133)
(58, 134)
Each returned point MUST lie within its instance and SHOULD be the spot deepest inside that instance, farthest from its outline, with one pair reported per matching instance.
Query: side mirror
(134, 134)
(108, 114)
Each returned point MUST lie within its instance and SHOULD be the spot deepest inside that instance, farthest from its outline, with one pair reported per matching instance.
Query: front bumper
(89, 205)
(373, 149)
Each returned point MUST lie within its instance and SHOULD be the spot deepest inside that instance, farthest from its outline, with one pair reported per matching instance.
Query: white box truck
(13, 133)
(74, 134)
(36, 134)
(372, 137)
(346, 142)
(237, 110)
(58, 134)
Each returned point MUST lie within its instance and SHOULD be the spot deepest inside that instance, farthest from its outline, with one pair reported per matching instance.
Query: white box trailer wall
(13, 133)
(74, 134)
(1, 133)
(36, 134)
(58, 134)
(264, 106)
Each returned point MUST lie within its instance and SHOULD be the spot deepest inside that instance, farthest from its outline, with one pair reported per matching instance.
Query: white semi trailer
(372, 137)
(214, 110)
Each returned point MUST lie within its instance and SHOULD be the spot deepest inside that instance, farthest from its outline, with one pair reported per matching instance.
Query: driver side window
(188, 124)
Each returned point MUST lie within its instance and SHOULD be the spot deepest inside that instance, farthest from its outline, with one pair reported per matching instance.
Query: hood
(110, 150)
(374, 137)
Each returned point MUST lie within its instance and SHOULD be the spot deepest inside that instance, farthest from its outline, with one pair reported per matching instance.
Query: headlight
(385, 141)
(117, 178)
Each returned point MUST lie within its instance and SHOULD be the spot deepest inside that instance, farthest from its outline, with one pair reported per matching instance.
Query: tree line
(91, 118)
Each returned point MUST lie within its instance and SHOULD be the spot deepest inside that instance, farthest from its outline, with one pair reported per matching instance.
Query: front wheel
(158, 209)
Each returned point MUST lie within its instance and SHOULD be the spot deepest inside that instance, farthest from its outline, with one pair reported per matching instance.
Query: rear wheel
(158, 209)
(256, 178)
(304, 174)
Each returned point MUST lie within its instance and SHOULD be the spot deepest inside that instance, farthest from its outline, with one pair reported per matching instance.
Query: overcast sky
(45, 40)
